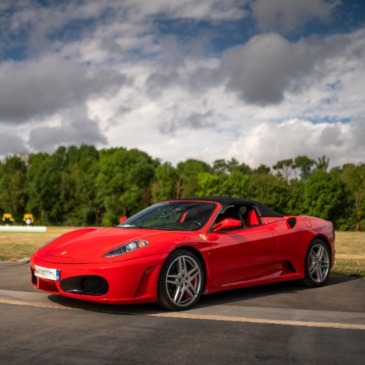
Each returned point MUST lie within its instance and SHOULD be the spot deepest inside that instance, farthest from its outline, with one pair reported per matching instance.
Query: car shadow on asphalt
(281, 295)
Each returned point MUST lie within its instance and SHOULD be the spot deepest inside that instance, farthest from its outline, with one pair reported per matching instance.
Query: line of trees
(84, 186)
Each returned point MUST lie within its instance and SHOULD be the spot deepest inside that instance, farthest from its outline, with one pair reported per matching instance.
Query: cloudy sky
(256, 80)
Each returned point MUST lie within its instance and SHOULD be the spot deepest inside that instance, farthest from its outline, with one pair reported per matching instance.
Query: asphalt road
(273, 324)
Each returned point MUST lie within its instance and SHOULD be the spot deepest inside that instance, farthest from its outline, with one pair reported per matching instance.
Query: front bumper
(126, 282)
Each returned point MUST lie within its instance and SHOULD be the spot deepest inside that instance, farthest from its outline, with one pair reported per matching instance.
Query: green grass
(350, 248)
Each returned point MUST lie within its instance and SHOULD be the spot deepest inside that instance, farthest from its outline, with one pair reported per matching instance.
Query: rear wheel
(181, 281)
(317, 264)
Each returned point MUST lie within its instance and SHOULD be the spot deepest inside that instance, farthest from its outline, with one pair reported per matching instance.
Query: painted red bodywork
(266, 253)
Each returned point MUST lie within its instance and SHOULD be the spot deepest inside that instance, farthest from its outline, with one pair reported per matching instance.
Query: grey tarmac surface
(273, 324)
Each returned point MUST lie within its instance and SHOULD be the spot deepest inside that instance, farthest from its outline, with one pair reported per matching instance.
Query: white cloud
(268, 66)
(121, 81)
(209, 122)
(191, 9)
(45, 86)
(72, 128)
(38, 87)
(11, 144)
(268, 142)
(288, 15)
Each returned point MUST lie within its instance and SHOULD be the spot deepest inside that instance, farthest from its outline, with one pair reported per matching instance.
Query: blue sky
(255, 80)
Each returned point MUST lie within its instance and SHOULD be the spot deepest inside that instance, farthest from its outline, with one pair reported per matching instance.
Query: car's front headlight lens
(127, 247)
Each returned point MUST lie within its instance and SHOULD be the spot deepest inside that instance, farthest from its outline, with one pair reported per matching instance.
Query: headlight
(127, 247)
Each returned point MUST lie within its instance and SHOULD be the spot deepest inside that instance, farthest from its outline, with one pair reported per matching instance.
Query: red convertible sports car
(174, 251)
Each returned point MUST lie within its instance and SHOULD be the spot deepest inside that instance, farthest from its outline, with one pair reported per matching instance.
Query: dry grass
(350, 248)
(16, 246)
(350, 253)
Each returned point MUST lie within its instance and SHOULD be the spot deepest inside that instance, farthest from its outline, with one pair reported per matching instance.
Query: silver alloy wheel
(318, 263)
(184, 280)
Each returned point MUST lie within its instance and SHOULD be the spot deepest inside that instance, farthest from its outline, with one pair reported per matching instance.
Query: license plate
(45, 273)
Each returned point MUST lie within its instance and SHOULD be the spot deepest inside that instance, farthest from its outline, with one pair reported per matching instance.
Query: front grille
(85, 285)
(94, 285)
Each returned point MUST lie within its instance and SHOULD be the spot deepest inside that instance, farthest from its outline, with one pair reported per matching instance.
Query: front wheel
(317, 264)
(181, 281)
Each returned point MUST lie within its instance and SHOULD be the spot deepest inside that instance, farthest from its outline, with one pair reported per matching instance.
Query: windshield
(180, 216)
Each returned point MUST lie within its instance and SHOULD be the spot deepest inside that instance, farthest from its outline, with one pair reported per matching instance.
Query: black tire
(317, 264)
(181, 281)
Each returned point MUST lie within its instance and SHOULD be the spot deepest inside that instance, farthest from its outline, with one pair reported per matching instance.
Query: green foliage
(124, 182)
(187, 184)
(305, 165)
(323, 195)
(223, 167)
(84, 186)
(44, 188)
(322, 163)
(262, 169)
(353, 178)
(165, 183)
(13, 193)
(236, 184)
(296, 200)
(208, 184)
(284, 168)
(82, 170)
(270, 190)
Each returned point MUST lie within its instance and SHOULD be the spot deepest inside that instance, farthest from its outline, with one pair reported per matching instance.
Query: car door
(244, 256)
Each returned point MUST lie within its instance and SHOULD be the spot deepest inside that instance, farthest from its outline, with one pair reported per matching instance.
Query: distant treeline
(84, 186)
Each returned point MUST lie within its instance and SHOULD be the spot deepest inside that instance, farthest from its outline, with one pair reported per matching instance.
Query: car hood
(88, 245)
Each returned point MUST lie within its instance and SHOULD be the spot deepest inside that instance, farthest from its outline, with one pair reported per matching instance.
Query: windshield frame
(172, 216)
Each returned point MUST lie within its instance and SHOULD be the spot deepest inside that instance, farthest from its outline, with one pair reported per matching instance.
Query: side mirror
(228, 223)
(122, 219)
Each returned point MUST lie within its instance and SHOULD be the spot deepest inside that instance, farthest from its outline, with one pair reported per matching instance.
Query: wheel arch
(316, 271)
(198, 254)
(167, 299)
(325, 240)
